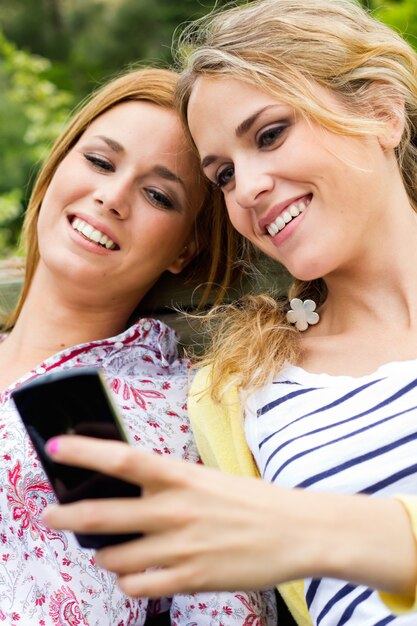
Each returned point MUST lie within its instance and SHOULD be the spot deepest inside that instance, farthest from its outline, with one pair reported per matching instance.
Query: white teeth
(92, 233)
(294, 210)
(280, 222)
(286, 216)
(96, 236)
(86, 230)
(272, 229)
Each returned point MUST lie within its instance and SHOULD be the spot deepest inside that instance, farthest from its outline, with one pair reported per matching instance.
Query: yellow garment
(219, 433)
(395, 603)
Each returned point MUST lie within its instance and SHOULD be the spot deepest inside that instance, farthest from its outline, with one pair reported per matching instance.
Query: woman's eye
(160, 199)
(99, 163)
(225, 175)
(269, 136)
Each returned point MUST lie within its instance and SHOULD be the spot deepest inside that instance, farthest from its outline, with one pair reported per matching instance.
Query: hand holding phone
(75, 401)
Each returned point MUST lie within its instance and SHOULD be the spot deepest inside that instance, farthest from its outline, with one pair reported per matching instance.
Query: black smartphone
(75, 401)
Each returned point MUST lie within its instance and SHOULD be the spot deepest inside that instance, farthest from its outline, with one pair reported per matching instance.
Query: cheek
(44, 215)
(52, 200)
(159, 232)
(240, 218)
(70, 182)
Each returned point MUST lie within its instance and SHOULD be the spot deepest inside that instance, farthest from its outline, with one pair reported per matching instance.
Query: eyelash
(99, 163)
(164, 201)
(220, 182)
(261, 142)
(276, 132)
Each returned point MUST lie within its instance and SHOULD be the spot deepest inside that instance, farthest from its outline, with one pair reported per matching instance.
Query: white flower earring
(303, 313)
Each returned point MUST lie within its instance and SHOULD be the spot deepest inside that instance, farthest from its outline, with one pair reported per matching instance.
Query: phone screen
(77, 402)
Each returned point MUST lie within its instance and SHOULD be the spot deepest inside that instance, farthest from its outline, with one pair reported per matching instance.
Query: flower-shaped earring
(302, 314)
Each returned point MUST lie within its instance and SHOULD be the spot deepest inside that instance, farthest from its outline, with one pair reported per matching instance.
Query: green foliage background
(54, 52)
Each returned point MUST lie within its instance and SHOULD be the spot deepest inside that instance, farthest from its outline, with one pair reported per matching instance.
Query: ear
(391, 136)
(186, 255)
(392, 114)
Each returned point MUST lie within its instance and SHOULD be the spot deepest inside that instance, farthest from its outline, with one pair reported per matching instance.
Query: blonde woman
(118, 203)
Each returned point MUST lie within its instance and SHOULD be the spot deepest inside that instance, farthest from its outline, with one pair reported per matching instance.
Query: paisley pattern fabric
(46, 579)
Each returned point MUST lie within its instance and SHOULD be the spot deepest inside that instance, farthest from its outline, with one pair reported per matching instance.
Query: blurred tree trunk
(54, 9)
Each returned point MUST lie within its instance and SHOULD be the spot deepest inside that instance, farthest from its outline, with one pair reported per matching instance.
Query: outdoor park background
(54, 52)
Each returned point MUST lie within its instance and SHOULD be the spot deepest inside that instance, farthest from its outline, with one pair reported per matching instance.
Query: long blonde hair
(284, 47)
(217, 244)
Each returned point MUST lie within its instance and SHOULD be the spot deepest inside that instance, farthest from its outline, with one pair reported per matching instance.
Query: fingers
(153, 514)
(157, 583)
(166, 549)
(184, 575)
(97, 516)
(118, 459)
(203, 530)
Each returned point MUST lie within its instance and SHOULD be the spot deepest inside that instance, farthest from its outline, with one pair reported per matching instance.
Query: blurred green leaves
(32, 111)
(401, 15)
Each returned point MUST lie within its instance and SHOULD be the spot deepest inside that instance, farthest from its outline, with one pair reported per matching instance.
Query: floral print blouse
(46, 579)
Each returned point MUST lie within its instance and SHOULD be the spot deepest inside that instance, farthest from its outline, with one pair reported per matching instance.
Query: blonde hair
(285, 47)
(217, 246)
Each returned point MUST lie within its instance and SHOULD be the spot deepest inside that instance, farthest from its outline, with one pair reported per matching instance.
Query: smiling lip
(279, 209)
(103, 236)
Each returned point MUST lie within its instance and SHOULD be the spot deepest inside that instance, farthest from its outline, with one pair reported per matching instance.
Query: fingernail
(52, 446)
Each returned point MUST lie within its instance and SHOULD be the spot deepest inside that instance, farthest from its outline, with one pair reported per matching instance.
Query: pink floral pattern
(46, 579)
(65, 609)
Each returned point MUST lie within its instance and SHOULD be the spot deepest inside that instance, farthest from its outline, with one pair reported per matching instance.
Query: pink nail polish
(52, 446)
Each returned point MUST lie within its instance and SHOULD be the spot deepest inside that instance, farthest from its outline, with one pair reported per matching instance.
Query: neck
(380, 284)
(54, 318)
(384, 293)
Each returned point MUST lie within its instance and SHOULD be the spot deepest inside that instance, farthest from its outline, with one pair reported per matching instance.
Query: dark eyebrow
(240, 130)
(248, 123)
(164, 172)
(208, 160)
(114, 145)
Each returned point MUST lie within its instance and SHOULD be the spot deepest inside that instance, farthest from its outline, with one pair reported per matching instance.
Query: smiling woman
(315, 153)
(134, 199)
(119, 202)
(149, 88)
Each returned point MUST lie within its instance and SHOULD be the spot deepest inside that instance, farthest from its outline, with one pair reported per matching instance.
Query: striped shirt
(339, 434)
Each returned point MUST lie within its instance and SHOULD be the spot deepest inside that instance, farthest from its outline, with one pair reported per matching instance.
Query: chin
(74, 270)
(305, 274)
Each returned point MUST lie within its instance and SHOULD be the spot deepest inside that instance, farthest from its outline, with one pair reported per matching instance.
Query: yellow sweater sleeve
(395, 603)
(220, 436)
(218, 428)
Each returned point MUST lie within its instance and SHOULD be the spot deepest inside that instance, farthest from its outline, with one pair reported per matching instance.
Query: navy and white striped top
(342, 434)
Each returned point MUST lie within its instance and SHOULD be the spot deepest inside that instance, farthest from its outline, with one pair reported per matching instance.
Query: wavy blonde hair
(218, 245)
(285, 48)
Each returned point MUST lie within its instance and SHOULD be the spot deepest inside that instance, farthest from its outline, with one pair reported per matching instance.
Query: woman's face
(306, 197)
(120, 208)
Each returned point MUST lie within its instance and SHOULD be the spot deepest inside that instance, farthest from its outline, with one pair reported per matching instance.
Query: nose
(114, 195)
(252, 183)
